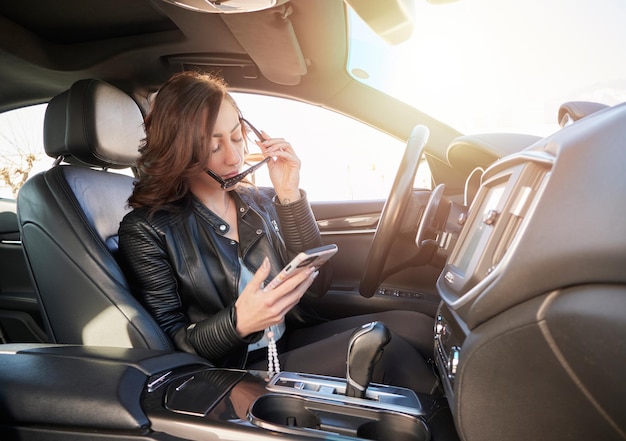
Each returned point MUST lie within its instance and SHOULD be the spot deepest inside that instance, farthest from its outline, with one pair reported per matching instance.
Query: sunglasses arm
(231, 182)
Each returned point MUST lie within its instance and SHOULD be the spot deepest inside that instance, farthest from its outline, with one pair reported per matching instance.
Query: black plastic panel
(74, 386)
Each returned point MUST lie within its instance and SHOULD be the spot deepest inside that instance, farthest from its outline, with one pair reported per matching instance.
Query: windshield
(499, 66)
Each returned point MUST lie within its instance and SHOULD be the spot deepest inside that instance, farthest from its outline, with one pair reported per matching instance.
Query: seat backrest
(70, 214)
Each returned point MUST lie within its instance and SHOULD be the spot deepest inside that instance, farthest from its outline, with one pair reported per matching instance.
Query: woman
(199, 247)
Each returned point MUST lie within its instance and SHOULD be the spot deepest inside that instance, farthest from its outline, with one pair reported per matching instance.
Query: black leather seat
(70, 214)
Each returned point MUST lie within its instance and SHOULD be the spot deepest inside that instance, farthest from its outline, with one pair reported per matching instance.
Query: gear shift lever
(364, 350)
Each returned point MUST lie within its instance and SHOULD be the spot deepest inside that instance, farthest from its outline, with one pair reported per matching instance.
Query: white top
(278, 330)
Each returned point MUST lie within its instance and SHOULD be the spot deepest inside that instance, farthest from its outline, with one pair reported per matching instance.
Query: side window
(342, 159)
(21, 148)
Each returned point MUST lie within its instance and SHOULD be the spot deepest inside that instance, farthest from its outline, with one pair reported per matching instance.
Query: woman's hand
(257, 309)
(284, 167)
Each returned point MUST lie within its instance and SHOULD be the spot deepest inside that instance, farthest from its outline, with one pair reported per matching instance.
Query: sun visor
(269, 39)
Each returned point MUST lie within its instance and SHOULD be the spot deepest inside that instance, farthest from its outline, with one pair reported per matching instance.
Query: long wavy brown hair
(178, 132)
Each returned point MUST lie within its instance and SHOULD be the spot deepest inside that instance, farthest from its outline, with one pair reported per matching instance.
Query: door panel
(20, 320)
(351, 225)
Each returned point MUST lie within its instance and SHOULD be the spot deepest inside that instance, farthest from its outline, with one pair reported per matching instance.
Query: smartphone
(314, 257)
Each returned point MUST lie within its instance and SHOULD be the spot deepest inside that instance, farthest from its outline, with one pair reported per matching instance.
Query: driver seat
(69, 216)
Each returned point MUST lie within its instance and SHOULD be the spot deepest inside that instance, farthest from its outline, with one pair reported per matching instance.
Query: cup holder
(393, 427)
(286, 411)
(293, 414)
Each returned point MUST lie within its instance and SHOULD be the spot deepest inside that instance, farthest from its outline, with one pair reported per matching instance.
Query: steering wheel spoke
(426, 226)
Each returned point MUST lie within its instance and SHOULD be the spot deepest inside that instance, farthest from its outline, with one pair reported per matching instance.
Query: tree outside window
(21, 148)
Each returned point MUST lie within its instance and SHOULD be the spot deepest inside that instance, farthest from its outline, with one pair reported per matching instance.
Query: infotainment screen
(480, 228)
(468, 262)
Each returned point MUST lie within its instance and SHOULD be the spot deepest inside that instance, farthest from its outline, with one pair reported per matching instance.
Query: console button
(453, 361)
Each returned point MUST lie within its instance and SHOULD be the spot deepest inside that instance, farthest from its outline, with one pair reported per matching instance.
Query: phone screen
(314, 257)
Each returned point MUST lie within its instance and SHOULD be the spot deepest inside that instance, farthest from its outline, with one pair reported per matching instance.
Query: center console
(189, 403)
(114, 393)
(498, 214)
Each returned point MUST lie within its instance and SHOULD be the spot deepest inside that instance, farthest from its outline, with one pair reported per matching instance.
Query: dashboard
(528, 331)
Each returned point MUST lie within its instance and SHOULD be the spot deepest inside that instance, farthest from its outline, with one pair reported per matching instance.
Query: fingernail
(266, 262)
(315, 274)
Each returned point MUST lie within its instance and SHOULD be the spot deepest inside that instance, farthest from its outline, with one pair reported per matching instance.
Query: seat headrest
(94, 124)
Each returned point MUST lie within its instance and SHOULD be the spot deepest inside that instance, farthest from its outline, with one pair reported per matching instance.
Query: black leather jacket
(185, 271)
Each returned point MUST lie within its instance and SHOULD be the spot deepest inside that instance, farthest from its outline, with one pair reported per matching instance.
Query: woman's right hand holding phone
(258, 309)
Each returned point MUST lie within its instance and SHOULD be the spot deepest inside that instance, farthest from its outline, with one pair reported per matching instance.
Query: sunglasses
(231, 182)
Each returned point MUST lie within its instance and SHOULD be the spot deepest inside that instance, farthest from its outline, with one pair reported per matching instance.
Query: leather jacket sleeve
(215, 337)
(300, 232)
(143, 257)
(298, 226)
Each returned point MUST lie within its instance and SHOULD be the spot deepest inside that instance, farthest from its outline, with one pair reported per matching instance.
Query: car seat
(69, 216)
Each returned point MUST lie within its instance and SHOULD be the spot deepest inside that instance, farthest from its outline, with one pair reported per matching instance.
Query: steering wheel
(393, 210)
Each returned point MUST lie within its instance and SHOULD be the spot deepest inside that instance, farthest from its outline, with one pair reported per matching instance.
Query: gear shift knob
(364, 350)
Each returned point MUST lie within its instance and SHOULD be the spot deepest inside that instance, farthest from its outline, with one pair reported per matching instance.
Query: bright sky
(485, 65)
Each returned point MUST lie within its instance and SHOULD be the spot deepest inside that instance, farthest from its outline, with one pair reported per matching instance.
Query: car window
(21, 148)
(342, 159)
(22, 153)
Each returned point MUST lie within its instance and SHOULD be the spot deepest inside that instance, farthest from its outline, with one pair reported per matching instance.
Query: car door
(347, 170)
(20, 320)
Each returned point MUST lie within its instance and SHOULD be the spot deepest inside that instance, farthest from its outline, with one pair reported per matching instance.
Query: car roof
(296, 49)
(137, 44)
